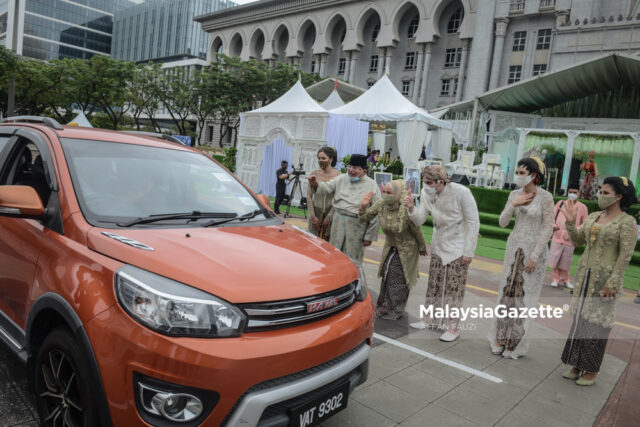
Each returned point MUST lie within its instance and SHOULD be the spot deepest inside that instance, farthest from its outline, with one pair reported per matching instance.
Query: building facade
(437, 52)
(49, 29)
(162, 29)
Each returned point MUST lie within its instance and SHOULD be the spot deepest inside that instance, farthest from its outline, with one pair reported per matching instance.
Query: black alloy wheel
(61, 383)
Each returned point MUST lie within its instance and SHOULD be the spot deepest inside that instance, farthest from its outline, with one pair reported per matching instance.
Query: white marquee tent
(293, 128)
(332, 101)
(384, 103)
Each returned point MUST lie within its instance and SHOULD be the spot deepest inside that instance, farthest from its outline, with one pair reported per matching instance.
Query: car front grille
(276, 314)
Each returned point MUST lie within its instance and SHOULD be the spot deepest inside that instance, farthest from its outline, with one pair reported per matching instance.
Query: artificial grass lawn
(494, 248)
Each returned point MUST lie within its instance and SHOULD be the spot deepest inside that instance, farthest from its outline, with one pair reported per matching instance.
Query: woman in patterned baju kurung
(610, 237)
(403, 242)
(320, 202)
(525, 259)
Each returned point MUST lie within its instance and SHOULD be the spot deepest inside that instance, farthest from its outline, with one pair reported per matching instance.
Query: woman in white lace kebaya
(525, 259)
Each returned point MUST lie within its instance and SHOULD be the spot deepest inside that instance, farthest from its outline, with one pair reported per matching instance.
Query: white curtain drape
(412, 135)
(377, 141)
(348, 136)
(274, 154)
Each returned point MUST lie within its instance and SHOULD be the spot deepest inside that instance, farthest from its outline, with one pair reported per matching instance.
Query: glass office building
(162, 30)
(64, 28)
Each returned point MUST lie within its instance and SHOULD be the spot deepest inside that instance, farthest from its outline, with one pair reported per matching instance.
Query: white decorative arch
(399, 12)
(364, 16)
(275, 36)
(211, 51)
(432, 29)
(331, 23)
(253, 38)
(243, 40)
(303, 27)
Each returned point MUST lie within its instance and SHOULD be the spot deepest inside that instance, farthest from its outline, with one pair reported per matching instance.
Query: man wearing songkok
(347, 232)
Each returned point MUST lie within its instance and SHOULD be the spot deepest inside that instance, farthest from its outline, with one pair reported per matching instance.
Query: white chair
(489, 173)
(463, 165)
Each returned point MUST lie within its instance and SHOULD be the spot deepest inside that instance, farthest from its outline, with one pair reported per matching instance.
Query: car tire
(62, 387)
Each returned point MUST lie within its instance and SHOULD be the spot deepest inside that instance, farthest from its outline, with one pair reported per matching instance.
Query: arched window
(343, 35)
(413, 26)
(375, 32)
(454, 22)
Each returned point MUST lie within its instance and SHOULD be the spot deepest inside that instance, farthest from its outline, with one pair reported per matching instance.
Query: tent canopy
(333, 101)
(81, 120)
(598, 75)
(295, 100)
(384, 103)
(323, 89)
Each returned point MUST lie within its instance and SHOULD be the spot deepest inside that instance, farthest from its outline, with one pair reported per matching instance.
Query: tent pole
(633, 174)
(474, 117)
(568, 157)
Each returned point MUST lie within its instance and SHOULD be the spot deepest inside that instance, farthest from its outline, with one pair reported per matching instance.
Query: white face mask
(573, 196)
(430, 190)
(523, 180)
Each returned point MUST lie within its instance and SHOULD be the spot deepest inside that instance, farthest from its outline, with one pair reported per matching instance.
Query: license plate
(321, 408)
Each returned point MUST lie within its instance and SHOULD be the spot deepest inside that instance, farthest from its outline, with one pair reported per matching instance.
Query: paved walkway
(417, 380)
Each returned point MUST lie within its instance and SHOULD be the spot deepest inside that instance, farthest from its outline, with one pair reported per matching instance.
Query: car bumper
(250, 373)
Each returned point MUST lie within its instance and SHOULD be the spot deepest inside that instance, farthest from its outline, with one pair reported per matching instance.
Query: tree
(37, 86)
(8, 65)
(111, 95)
(175, 92)
(142, 93)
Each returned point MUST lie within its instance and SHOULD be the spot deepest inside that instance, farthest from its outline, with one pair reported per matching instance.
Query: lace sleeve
(508, 210)
(546, 231)
(416, 231)
(371, 212)
(578, 235)
(628, 236)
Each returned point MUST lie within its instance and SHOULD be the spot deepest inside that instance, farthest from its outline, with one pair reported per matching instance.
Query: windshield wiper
(252, 214)
(193, 215)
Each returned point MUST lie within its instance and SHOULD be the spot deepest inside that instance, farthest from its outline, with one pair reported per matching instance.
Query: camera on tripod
(297, 172)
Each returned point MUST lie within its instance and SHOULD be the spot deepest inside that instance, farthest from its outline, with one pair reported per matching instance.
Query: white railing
(517, 6)
(547, 4)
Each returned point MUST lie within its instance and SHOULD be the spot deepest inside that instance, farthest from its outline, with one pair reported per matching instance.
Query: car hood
(238, 264)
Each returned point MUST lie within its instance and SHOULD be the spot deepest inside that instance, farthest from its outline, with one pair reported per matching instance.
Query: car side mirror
(264, 200)
(20, 201)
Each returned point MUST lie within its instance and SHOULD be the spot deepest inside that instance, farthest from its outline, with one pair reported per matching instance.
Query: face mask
(354, 178)
(388, 199)
(523, 180)
(430, 190)
(573, 196)
(323, 165)
(605, 201)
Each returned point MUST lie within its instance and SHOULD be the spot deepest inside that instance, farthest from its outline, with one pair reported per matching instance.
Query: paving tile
(420, 384)
(357, 415)
(386, 360)
(511, 372)
(436, 416)
(521, 419)
(426, 340)
(13, 409)
(390, 401)
(442, 371)
(475, 354)
(503, 392)
(553, 413)
(482, 410)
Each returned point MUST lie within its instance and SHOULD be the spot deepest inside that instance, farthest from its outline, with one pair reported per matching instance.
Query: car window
(26, 168)
(3, 141)
(116, 182)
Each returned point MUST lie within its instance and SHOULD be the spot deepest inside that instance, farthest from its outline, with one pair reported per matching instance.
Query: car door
(21, 239)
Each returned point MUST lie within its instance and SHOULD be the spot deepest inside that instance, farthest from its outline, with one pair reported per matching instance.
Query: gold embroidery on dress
(593, 233)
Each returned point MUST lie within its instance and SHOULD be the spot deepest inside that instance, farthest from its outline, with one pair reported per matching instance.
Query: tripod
(296, 185)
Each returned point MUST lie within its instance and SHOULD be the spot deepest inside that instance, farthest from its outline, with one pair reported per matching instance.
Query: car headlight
(173, 308)
(361, 284)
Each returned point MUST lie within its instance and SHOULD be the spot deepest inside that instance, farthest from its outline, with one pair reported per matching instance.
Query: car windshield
(117, 184)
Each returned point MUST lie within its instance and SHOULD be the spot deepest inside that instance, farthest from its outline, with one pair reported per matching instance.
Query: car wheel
(63, 392)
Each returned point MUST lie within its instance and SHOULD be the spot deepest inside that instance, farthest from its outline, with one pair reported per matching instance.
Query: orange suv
(143, 284)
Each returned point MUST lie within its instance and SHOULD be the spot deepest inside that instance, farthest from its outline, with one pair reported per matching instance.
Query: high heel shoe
(570, 375)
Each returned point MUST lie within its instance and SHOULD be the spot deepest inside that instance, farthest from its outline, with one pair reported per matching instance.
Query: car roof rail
(47, 121)
(155, 135)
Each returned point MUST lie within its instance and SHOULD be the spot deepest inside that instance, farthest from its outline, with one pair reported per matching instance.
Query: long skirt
(510, 331)
(446, 288)
(394, 290)
(324, 232)
(585, 346)
(347, 234)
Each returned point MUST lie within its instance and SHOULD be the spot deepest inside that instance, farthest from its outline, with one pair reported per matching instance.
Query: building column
(633, 174)
(387, 62)
(463, 68)
(425, 73)
(381, 58)
(347, 65)
(323, 61)
(568, 157)
(354, 63)
(498, 46)
(416, 84)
